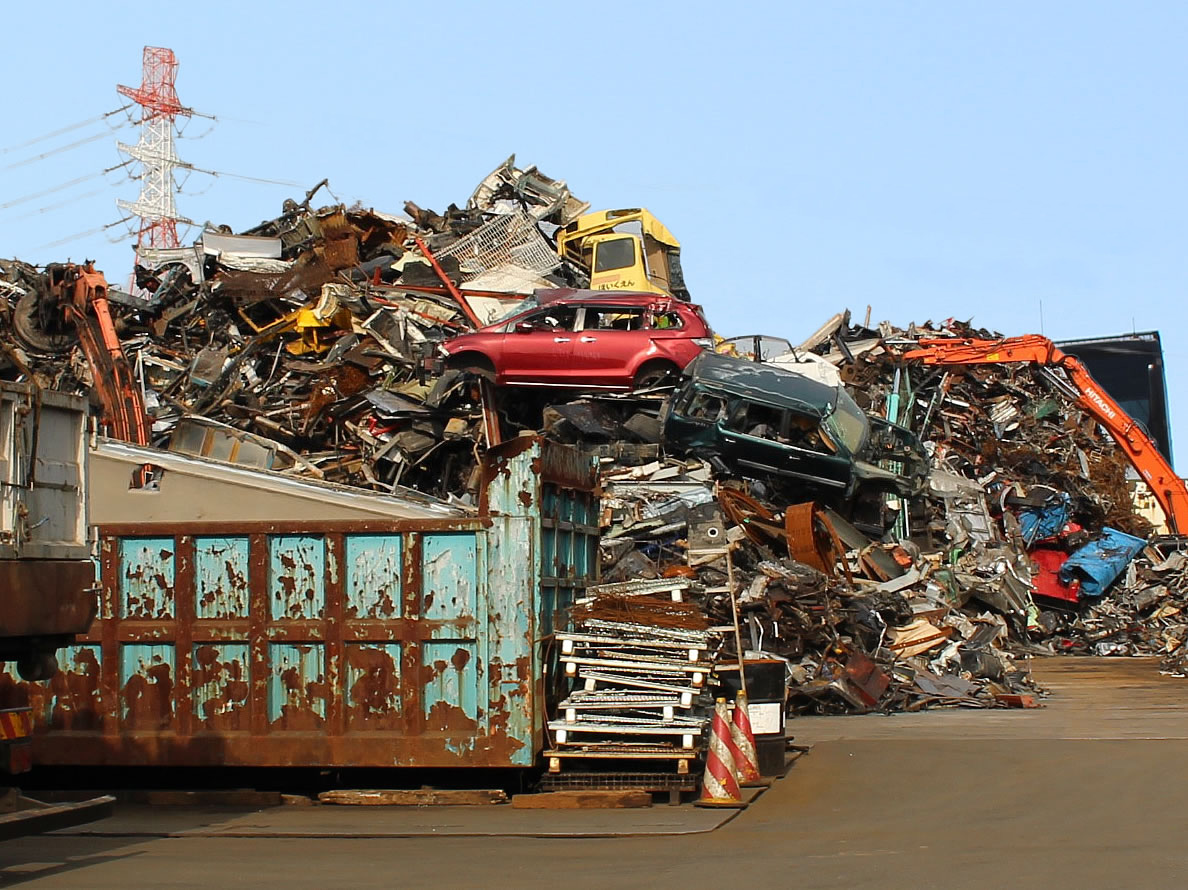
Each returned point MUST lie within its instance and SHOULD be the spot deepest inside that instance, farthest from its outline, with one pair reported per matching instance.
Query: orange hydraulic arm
(88, 308)
(1168, 488)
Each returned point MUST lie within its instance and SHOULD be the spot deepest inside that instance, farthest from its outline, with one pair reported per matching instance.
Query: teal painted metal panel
(450, 692)
(220, 686)
(221, 577)
(297, 689)
(146, 578)
(147, 674)
(372, 576)
(512, 571)
(373, 698)
(449, 573)
(296, 576)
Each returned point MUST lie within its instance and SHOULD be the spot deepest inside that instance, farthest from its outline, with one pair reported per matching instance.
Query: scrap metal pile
(301, 343)
(903, 532)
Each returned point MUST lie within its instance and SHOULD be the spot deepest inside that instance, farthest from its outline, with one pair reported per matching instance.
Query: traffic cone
(719, 784)
(742, 741)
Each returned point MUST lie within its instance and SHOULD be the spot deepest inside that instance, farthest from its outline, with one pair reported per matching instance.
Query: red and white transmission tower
(157, 98)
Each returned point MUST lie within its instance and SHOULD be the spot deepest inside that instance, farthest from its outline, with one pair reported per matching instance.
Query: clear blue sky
(1021, 163)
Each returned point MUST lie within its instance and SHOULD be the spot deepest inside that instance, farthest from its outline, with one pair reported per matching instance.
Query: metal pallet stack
(639, 660)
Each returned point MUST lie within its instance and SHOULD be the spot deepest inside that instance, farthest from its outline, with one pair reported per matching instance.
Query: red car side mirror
(524, 327)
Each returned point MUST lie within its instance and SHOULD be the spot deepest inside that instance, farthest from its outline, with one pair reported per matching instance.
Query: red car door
(610, 344)
(539, 347)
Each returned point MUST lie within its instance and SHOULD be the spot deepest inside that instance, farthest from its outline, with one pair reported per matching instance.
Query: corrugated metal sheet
(371, 643)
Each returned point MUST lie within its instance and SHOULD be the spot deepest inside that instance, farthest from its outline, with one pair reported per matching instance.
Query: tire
(654, 374)
(26, 322)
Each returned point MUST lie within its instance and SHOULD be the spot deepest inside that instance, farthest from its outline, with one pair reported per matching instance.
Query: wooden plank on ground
(419, 797)
(582, 800)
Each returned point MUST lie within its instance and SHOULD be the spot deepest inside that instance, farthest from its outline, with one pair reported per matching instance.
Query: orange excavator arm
(1168, 488)
(123, 405)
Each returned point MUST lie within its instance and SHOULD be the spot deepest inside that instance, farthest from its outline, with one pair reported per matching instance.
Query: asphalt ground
(1087, 792)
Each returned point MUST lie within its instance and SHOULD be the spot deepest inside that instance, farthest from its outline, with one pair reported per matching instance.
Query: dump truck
(627, 249)
(48, 594)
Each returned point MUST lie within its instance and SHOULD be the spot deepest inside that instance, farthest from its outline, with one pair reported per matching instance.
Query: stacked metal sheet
(639, 663)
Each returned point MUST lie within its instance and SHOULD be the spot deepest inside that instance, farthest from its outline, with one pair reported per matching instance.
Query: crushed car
(760, 421)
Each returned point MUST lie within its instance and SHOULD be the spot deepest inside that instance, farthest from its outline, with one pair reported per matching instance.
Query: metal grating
(608, 781)
(506, 240)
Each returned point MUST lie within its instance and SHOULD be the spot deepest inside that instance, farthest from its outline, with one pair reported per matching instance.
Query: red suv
(586, 339)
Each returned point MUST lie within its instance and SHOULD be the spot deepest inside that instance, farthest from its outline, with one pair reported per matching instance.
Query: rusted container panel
(221, 577)
(297, 576)
(147, 673)
(377, 642)
(297, 689)
(372, 572)
(514, 683)
(147, 567)
(450, 693)
(374, 685)
(449, 573)
(220, 684)
(74, 693)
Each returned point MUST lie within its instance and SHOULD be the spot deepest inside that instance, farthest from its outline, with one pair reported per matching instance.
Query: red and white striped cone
(742, 742)
(719, 784)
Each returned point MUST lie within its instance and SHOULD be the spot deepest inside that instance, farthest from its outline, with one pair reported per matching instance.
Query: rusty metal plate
(147, 673)
(372, 572)
(147, 567)
(221, 577)
(374, 687)
(297, 568)
(220, 686)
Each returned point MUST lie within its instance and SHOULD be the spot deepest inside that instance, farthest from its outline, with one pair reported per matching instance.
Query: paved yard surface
(1087, 792)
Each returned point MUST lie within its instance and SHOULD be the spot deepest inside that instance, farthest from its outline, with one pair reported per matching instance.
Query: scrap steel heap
(903, 534)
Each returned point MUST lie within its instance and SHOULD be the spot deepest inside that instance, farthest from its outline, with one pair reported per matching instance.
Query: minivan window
(617, 254)
(847, 423)
(754, 419)
(705, 406)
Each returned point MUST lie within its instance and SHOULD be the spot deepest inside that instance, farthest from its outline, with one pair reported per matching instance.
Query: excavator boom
(1168, 488)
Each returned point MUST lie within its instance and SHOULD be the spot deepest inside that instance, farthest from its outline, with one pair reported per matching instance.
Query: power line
(65, 129)
(57, 204)
(65, 185)
(283, 182)
(54, 151)
(87, 233)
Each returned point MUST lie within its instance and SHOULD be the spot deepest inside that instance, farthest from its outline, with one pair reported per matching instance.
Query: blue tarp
(1099, 563)
(1037, 523)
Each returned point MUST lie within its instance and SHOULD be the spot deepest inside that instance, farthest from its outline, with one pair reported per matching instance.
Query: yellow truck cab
(626, 249)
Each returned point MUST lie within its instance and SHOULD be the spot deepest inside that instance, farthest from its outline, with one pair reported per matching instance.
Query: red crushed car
(586, 339)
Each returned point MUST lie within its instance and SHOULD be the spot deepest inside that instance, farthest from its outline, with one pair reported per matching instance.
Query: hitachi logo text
(1093, 396)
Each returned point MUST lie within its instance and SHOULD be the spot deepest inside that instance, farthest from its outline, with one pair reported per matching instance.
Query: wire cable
(65, 185)
(87, 233)
(65, 129)
(57, 204)
(58, 150)
(283, 182)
